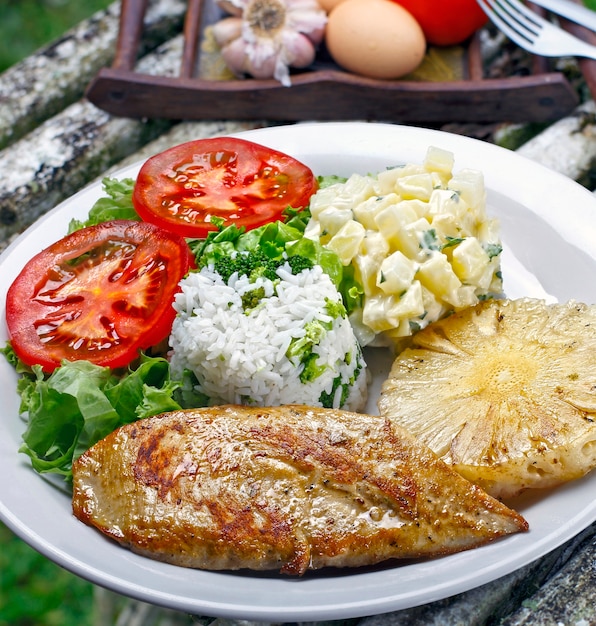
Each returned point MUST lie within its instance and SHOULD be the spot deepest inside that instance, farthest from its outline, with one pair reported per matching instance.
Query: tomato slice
(238, 181)
(100, 294)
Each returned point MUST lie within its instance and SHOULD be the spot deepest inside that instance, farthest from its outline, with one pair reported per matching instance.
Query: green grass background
(34, 591)
(25, 25)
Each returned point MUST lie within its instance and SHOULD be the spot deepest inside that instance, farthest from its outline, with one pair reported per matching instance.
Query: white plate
(548, 224)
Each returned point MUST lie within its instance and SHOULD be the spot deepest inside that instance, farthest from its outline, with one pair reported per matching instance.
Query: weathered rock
(54, 77)
(71, 149)
(61, 157)
(569, 597)
(568, 146)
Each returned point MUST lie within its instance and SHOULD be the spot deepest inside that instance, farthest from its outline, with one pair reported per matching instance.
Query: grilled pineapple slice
(505, 392)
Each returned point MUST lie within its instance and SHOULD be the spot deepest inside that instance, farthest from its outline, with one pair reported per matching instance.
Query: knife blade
(575, 12)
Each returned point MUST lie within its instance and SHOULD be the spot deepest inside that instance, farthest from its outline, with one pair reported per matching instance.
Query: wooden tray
(324, 93)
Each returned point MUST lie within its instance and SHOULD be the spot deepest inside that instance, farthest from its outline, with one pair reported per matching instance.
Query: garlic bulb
(264, 38)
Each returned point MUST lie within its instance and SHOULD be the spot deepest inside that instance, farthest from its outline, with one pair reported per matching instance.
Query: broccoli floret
(302, 347)
(299, 263)
(249, 264)
(335, 308)
(326, 399)
(251, 299)
(311, 370)
(267, 269)
(256, 263)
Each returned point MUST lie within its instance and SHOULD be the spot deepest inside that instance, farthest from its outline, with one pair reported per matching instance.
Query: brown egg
(375, 38)
(327, 5)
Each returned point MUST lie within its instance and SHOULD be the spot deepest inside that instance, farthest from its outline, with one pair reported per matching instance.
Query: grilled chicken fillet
(289, 488)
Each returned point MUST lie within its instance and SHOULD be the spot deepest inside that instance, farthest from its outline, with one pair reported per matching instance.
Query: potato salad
(419, 241)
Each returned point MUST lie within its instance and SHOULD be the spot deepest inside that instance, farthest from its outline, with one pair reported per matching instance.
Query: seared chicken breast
(289, 488)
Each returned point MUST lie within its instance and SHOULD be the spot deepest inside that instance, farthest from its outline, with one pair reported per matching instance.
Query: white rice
(240, 356)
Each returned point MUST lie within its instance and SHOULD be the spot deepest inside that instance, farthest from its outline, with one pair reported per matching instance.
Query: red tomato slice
(238, 181)
(100, 294)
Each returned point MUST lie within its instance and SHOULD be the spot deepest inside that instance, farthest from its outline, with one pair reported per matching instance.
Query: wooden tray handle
(132, 13)
(192, 29)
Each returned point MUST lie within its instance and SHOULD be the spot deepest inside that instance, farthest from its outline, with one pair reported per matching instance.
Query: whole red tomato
(446, 22)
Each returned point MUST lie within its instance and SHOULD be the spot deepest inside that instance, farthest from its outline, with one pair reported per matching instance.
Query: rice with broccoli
(281, 337)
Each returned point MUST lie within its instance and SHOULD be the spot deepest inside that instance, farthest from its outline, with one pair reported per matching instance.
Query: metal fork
(532, 32)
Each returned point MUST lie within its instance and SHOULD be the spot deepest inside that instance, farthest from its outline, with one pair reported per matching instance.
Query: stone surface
(46, 82)
(568, 146)
(569, 595)
(70, 149)
(60, 157)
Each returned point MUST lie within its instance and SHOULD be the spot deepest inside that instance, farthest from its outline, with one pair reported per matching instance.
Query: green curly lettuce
(80, 403)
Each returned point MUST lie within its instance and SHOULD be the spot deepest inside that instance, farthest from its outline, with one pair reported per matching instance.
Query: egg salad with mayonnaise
(419, 240)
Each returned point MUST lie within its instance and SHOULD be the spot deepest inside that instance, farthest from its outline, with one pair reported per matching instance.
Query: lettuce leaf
(276, 239)
(80, 403)
(115, 205)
